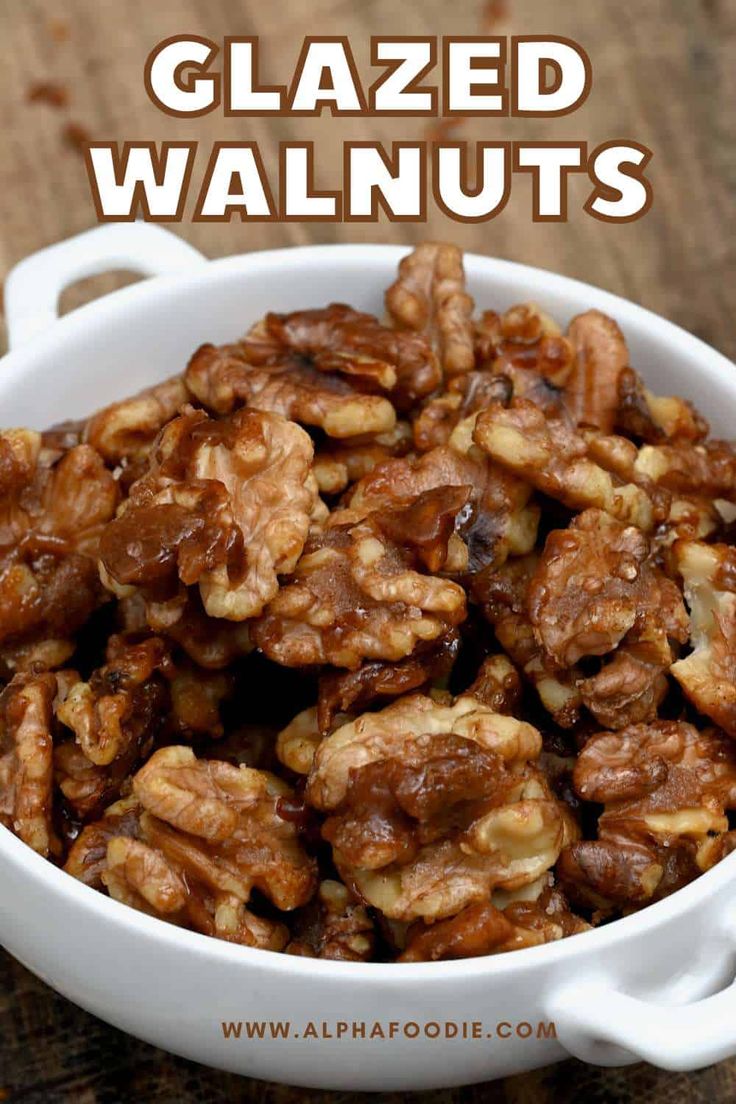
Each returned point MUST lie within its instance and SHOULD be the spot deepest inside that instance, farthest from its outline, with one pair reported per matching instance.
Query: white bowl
(615, 995)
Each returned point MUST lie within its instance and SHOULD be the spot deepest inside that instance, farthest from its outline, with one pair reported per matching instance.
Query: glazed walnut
(235, 812)
(466, 395)
(304, 726)
(592, 391)
(665, 789)
(503, 596)
(655, 419)
(429, 297)
(333, 926)
(707, 469)
(341, 342)
(357, 595)
(338, 464)
(498, 685)
(595, 586)
(431, 805)
(483, 929)
(205, 836)
(53, 505)
(708, 674)
(225, 505)
(554, 458)
(343, 691)
(26, 759)
(125, 430)
(124, 704)
(497, 519)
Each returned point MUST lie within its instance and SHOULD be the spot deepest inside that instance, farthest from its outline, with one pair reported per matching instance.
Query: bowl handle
(605, 1027)
(33, 287)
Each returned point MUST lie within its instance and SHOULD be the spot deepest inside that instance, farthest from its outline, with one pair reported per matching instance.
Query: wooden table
(663, 74)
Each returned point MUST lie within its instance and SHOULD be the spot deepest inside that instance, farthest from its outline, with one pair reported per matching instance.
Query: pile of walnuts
(376, 640)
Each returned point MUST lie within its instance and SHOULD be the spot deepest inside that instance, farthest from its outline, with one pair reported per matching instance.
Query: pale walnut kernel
(297, 743)
(429, 297)
(226, 505)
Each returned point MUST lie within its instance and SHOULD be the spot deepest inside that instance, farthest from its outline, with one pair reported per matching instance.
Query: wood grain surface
(663, 75)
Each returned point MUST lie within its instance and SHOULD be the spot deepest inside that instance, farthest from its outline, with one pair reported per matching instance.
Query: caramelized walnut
(483, 929)
(123, 706)
(555, 459)
(52, 508)
(357, 595)
(225, 504)
(127, 429)
(665, 788)
(432, 805)
(503, 598)
(338, 464)
(595, 585)
(340, 341)
(333, 926)
(708, 674)
(592, 391)
(222, 379)
(212, 643)
(221, 824)
(354, 691)
(687, 469)
(193, 842)
(87, 857)
(653, 418)
(429, 297)
(496, 520)
(466, 395)
(26, 760)
(628, 690)
(497, 685)
(526, 345)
